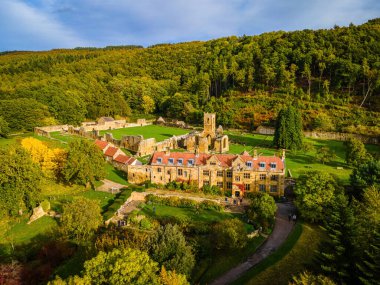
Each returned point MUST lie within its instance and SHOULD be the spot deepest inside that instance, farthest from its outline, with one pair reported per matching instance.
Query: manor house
(236, 173)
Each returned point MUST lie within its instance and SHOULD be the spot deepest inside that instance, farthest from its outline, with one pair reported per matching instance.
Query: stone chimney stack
(196, 151)
(255, 154)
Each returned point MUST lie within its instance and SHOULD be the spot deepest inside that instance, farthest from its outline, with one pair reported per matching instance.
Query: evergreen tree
(337, 254)
(369, 266)
(288, 132)
(355, 152)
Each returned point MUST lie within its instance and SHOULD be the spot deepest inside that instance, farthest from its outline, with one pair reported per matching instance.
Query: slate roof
(225, 160)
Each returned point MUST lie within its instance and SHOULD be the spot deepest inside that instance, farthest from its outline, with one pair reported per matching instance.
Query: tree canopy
(80, 218)
(85, 163)
(328, 71)
(288, 132)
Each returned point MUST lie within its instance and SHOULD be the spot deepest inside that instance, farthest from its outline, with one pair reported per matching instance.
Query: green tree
(288, 131)
(20, 181)
(307, 278)
(262, 209)
(365, 175)
(337, 255)
(147, 104)
(356, 153)
(229, 234)
(84, 164)
(315, 192)
(81, 218)
(325, 155)
(169, 249)
(4, 128)
(68, 108)
(369, 264)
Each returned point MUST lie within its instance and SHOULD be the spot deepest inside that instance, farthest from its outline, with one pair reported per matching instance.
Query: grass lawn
(292, 257)
(186, 213)
(116, 175)
(160, 133)
(219, 264)
(21, 232)
(299, 161)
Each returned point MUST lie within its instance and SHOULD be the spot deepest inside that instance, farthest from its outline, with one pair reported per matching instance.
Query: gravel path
(108, 185)
(280, 232)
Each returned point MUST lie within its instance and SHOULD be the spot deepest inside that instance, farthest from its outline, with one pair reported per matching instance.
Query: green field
(186, 213)
(160, 133)
(116, 175)
(292, 257)
(299, 161)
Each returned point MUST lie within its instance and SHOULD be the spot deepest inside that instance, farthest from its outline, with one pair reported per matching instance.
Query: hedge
(183, 202)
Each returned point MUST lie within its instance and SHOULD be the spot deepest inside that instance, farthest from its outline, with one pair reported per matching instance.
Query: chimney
(167, 151)
(283, 155)
(255, 154)
(196, 151)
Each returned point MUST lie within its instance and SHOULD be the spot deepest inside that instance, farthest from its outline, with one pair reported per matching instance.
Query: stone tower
(209, 125)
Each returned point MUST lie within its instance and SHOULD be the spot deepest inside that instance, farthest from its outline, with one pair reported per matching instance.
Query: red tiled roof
(124, 159)
(225, 159)
(111, 151)
(101, 144)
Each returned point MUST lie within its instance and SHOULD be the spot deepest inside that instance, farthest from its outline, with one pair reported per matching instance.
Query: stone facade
(236, 173)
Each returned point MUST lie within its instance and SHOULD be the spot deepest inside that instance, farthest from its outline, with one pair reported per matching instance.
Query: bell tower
(209, 125)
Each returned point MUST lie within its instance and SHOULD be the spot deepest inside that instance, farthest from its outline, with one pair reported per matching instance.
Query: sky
(49, 24)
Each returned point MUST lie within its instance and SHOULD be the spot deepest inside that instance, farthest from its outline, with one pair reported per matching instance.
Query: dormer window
(273, 165)
(171, 160)
(159, 160)
(190, 161)
(249, 164)
(180, 161)
(262, 164)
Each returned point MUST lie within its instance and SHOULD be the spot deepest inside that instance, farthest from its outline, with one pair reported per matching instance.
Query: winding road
(281, 230)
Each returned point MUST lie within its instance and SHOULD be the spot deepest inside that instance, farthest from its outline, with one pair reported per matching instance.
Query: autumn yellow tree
(51, 161)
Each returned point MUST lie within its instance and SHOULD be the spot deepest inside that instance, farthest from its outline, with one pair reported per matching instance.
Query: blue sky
(48, 24)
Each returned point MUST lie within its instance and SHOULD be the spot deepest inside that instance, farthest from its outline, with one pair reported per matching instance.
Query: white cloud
(25, 27)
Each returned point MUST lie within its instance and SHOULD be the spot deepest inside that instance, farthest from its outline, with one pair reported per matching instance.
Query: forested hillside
(332, 76)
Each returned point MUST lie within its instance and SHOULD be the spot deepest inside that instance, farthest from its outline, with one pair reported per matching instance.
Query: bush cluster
(183, 203)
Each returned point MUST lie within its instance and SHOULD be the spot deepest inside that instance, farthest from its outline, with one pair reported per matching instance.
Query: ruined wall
(341, 137)
(51, 129)
(146, 147)
(138, 174)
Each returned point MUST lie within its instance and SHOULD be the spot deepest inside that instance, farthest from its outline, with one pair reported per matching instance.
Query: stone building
(236, 173)
(209, 140)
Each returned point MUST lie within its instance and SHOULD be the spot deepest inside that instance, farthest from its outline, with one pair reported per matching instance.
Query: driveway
(281, 230)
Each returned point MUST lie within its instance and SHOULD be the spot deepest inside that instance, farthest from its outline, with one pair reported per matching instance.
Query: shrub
(45, 204)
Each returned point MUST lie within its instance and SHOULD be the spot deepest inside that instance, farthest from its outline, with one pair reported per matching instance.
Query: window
(229, 185)
(274, 177)
(180, 172)
(206, 172)
(190, 162)
(263, 176)
(229, 173)
(237, 178)
(219, 184)
(219, 173)
(168, 172)
(249, 164)
(247, 175)
(247, 187)
(185, 173)
(212, 163)
(159, 169)
(171, 160)
(273, 188)
(206, 182)
(180, 161)
(273, 165)
(262, 187)
(159, 160)
(262, 164)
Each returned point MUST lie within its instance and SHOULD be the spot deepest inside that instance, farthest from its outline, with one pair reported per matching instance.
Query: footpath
(281, 230)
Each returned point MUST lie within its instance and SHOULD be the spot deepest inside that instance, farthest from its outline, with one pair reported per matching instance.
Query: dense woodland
(332, 76)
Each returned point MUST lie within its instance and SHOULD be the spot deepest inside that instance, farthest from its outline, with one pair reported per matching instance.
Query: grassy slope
(296, 254)
(299, 161)
(160, 133)
(186, 213)
(115, 175)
